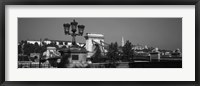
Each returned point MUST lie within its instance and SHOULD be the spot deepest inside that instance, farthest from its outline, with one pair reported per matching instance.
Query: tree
(63, 46)
(53, 44)
(96, 57)
(31, 48)
(128, 52)
(113, 55)
(113, 52)
(28, 48)
(36, 48)
(19, 49)
(43, 48)
(46, 39)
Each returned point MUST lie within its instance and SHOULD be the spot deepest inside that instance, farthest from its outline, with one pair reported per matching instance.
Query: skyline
(164, 33)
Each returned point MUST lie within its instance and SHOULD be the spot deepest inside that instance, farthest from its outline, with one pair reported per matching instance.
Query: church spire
(122, 41)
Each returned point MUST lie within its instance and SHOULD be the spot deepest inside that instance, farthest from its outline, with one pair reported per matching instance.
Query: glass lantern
(74, 26)
(81, 29)
(66, 28)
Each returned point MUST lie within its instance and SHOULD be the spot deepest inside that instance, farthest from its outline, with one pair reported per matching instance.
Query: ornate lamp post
(73, 33)
(74, 54)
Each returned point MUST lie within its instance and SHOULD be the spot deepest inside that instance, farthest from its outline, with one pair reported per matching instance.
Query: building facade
(59, 43)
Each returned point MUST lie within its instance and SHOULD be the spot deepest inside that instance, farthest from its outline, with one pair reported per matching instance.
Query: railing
(109, 65)
(169, 63)
(29, 64)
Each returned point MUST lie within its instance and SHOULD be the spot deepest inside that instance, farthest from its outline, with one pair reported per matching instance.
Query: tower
(90, 38)
(122, 41)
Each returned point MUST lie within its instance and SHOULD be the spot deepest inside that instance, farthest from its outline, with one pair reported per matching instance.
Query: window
(74, 57)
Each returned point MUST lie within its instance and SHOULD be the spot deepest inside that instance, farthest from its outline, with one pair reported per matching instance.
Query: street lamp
(74, 26)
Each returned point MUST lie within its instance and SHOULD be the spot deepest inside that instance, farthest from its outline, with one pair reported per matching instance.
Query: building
(59, 43)
(155, 55)
(176, 53)
(92, 39)
(139, 47)
(74, 56)
(122, 41)
(35, 57)
(51, 52)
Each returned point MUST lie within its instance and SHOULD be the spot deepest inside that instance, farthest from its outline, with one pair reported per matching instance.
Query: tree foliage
(113, 52)
(27, 48)
(97, 57)
(63, 47)
(128, 52)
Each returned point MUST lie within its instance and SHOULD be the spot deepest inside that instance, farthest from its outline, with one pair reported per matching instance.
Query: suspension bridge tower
(90, 40)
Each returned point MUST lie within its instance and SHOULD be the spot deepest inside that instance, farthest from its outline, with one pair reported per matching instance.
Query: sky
(164, 33)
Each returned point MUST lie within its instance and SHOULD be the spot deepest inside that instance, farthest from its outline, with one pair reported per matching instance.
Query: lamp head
(74, 25)
(81, 29)
(66, 28)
